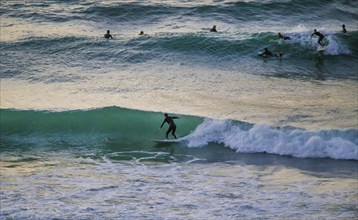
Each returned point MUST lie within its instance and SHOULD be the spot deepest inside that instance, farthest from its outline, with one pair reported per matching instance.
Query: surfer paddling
(283, 37)
(172, 126)
(315, 32)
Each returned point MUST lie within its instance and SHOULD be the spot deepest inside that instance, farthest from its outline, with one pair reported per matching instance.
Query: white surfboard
(275, 54)
(166, 141)
(322, 48)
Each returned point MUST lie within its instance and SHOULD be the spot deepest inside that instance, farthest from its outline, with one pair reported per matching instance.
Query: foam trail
(336, 144)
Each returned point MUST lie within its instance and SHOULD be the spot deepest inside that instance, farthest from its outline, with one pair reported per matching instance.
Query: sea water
(260, 137)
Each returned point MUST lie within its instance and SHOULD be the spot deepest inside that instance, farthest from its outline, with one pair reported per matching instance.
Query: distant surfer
(141, 33)
(315, 32)
(172, 126)
(108, 35)
(267, 53)
(213, 29)
(344, 28)
(283, 37)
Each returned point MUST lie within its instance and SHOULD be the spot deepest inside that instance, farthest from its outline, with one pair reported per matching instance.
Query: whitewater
(259, 137)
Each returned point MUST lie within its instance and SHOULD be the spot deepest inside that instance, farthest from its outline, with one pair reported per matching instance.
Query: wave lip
(261, 138)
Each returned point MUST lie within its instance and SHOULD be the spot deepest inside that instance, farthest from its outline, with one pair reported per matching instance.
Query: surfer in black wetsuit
(344, 28)
(268, 53)
(283, 37)
(213, 29)
(108, 35)
(172, 126)
(315, 32)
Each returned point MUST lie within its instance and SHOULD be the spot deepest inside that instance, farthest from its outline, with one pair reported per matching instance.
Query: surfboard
(166, 141)
(275, 54)
(322, 48)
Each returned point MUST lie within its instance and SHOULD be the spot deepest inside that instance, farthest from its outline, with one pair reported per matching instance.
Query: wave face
(84, 127)
(113, 130)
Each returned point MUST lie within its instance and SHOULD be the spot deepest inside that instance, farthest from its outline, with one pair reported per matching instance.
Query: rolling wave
(336, 144)
(117, 129)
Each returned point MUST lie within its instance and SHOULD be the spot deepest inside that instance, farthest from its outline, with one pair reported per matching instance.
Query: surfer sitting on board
(283, 37)
(315, 32)
(172, 126)
(268, 53)
(344, 30)
(108, 35)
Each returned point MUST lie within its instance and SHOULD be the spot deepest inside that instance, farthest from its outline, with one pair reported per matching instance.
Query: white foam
(335, 47)
(336, 144)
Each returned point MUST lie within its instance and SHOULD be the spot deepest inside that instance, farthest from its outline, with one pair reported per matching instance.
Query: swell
(226, 43)
(63, 11)
(36, 55)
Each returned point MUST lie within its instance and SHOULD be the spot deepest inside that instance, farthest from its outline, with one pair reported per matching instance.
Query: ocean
(259, 137)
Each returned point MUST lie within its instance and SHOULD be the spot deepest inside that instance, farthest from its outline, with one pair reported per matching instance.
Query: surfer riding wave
(172, 126)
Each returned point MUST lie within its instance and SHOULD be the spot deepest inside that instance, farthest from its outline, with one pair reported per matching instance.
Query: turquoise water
(259, 138)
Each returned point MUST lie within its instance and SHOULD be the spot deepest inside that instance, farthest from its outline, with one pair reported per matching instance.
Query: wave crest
(261, 138)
